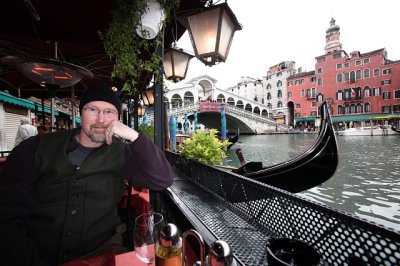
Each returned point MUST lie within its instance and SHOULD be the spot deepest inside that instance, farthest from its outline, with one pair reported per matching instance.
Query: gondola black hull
(309, 169)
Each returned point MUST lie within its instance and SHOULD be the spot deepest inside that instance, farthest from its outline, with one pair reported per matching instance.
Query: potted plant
(132, 53)
(204, 147)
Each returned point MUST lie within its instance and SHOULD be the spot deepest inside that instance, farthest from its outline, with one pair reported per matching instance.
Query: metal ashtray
(287, 251)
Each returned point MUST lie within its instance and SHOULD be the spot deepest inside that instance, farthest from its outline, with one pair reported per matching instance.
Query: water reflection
(366, 182)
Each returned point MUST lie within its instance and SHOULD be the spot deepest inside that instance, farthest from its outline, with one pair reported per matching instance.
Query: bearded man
(59, 192)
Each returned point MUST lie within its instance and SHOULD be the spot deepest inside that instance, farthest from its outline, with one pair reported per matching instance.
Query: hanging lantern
(148, 96)
(211, 32)
(151, 21)
(176, 64)
(141, 110)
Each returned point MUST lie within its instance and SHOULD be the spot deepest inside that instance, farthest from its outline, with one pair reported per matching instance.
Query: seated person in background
(42, 130)
(25, 130)
(59, 191)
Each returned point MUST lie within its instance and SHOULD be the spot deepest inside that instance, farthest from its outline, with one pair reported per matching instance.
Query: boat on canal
(311, 168)
(368, 131)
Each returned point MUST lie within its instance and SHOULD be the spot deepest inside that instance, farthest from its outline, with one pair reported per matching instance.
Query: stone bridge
(237, 118)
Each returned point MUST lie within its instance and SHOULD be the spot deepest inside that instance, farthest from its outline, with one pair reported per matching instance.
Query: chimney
(299, 70)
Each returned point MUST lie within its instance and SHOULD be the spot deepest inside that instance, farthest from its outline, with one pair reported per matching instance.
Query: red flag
(353, 93)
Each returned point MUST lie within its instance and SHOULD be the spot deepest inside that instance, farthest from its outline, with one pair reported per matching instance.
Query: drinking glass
(147, 228)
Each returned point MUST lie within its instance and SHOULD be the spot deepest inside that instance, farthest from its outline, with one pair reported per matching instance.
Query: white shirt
(25, 131)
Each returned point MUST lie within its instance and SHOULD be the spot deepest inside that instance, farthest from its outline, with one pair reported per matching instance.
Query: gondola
(233, 139)
(305, 171)
(395, 129)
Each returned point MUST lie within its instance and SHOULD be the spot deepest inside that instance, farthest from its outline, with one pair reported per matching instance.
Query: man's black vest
(75, 208)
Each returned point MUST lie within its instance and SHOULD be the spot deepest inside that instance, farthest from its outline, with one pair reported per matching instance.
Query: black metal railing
(246, 213)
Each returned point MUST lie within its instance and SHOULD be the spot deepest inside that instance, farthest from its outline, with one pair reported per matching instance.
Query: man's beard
(96, 134)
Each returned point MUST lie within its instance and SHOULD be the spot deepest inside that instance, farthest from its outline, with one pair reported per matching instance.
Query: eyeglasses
(93, 111)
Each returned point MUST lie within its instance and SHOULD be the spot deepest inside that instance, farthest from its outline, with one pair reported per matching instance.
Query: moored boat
(312, 168)
(368, 131)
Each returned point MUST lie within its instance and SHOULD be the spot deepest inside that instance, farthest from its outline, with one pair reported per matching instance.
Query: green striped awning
(305, 119)
(8, 98)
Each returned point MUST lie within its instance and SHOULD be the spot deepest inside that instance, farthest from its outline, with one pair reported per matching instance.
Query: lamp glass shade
(141, 110)
(211, 32)
(151, 21)
(148, 96)
(176, 64)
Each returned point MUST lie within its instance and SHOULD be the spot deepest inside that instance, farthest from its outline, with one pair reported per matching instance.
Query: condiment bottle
(169, 247)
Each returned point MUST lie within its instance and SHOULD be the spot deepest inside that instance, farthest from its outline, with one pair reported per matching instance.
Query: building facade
(358, 87)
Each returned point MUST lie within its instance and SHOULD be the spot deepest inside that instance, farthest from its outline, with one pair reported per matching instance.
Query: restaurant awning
(305, 119)
(8, 98)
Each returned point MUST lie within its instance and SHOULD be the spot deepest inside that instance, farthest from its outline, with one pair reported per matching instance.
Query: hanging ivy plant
(128, 49)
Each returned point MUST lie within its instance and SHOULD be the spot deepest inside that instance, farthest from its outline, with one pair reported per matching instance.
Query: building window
(367, 108)
(313, 113)
(346, 109)
(359, 108)
(321, 60)
(279, 84)
(302, 93)
(376, 92)
(279, 104)
(279, 94)
(386, 109)
(346, 76)
(397, 94)
(279, 74)
(320, 98)
(396, 108)
(366, 61)
(268, 86)
(319, 82)
(339, 66)
(376, 72)
(313, 104)
(297, 114)
(289, 83)
(367, 91)
(386, 71)
(386, 95)
(358, 62)
(319, 71)
(346, 65)
(339, 95)
(339, 78)
(337, 55)
(352, 77)
(313, 79)
(340, 110)
(289, 94)
(385, 82)
(297, 105)
(352, 109)
(366, 73)
(297, 82)
(268, 96)
(358, 74)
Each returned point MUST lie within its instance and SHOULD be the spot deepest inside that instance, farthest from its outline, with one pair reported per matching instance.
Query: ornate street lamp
(176, 64)
(148, 96)
(211, 32)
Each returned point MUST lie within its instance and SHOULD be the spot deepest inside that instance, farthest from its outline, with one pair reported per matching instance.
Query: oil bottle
(169, 247)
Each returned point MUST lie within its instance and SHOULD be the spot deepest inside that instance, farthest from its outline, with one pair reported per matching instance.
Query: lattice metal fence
(246, 213)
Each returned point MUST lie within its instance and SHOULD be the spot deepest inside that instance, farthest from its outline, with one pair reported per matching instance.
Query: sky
(294, 30)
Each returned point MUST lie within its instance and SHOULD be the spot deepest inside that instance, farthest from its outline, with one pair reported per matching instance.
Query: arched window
(359, 108)
(352, 108)
(340, 110)
(319, 81)
(264, 112)
(220, 98)
(346, 109)
(268, 96)
(367, 91)
(268, 86)
(249, 107)
(339, 95)
(231, 101)
(339, 78)
(256, 110)
(279, 94)
(358, 74)
(279, 84)
(239, 104)
(279, 104)
(366, 73)
(367, 108)
(188, 98)
(269, 106)
(176, 101)
(320, 97)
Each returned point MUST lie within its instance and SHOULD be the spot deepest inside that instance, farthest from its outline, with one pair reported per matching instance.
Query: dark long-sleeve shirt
(145, 165)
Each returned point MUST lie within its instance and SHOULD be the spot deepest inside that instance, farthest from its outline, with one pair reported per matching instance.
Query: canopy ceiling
(72, 26)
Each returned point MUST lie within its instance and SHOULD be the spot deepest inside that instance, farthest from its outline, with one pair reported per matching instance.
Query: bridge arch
(239, 104)
(256, 110)
(248, 107)
(231, 101)
(188, 98)
(176, 100)
(221, 98)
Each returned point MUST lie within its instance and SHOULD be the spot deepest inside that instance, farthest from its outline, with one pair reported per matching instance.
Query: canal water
(366, 182)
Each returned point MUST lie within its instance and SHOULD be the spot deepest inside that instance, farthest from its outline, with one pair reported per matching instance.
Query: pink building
(360, 87)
